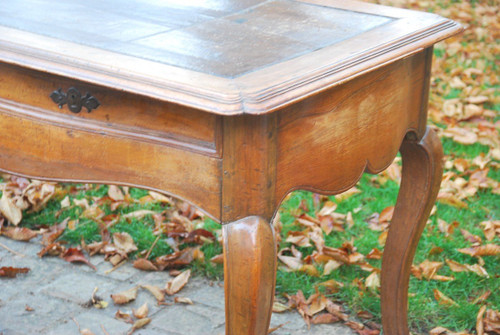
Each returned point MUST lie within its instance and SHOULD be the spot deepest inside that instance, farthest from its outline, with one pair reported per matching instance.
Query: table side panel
(157, 120)
(327, 141)
(36, 148)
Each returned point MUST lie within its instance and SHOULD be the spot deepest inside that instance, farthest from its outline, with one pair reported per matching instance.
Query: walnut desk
(229, 105)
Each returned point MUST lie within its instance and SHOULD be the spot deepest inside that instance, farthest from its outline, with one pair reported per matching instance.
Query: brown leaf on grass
(451, 199)
(139, 214)
(479, 321)
(461, 135)
(317, 302)
(429, 271)
(337, 254)
(75, 255)
(9, 210)
(19, 233)
(124, 317)
(324, 318)
(482, 250)
(372, 281)
(292, 262)
(382, 238)
(160, 198)
(443, 299)
(491, 229)
(176, 259)
(51, 235)
(445, 331)
(364, 315)
(476, 268)
(38, 193)
(11, 272)
(492, 321)
(310, 270)
(115, 193)
(471, 237)
(374, 254)
(330, 266)
(217, 259)
(482, 297)
(347, 194)
(183, 300)
(175, 285)
(139, 324)
(141, 312)
(331, 285)
(299, 238)
(447, 228)
(144, 264)
(124, 242)
(155, 291)
(125, 296)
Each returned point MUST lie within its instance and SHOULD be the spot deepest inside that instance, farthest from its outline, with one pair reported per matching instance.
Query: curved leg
(249, 275)
(422, 172)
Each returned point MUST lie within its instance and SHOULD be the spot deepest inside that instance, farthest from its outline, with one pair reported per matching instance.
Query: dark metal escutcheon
(74, 100)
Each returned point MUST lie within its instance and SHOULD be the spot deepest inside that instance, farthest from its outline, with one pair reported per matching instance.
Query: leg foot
(249, 275)
(422, 172)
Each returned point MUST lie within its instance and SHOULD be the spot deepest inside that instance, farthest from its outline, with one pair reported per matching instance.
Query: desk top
(222, 56)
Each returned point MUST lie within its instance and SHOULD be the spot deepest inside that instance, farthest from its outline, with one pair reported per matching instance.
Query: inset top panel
(222, 56)
(220, 38)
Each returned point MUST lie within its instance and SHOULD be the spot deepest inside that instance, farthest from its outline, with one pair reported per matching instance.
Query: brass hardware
(74, 100)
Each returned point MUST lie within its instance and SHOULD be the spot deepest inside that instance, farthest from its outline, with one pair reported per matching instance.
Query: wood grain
(249, 167)
(326, 142)
(45, 149)
(252, 71)
(422, 171)
(249, 275)
(167, 123)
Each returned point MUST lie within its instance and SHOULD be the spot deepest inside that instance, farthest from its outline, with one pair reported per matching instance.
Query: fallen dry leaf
(183, 300)
(124, 317)
(278, 307)
(372, 281)
(11, 272)
(324, 318)
(492, 321)
(479, 321)
(139, 324)
(115, 193)
(124, 242)
(482, 250)
(144, 264)
(9, 210)
(155, 291)
(75, 255)
(443, 299)
(125, 296)
(19, 233)
(141, 312)
(175, 285)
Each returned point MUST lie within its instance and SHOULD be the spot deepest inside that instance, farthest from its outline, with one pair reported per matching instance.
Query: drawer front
(39, 148)
(118, 112)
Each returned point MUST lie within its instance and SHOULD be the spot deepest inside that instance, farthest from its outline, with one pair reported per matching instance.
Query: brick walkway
(57, 292)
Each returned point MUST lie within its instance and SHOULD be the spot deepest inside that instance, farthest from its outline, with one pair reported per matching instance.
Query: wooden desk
(229, 105)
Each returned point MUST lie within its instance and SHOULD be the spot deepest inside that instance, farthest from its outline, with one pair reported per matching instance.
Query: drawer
(120, 113)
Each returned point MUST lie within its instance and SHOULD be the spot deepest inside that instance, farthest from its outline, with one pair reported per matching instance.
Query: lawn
(456, 272)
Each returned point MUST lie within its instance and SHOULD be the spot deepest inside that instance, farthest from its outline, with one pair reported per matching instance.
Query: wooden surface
(229, 105)
(249, 275)
(226, 57)
(422, 172)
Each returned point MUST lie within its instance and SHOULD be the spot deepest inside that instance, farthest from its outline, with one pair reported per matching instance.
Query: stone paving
(57, 291)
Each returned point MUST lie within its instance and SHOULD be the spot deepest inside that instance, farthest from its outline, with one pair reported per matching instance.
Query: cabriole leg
(249, 275)
(422, 172)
